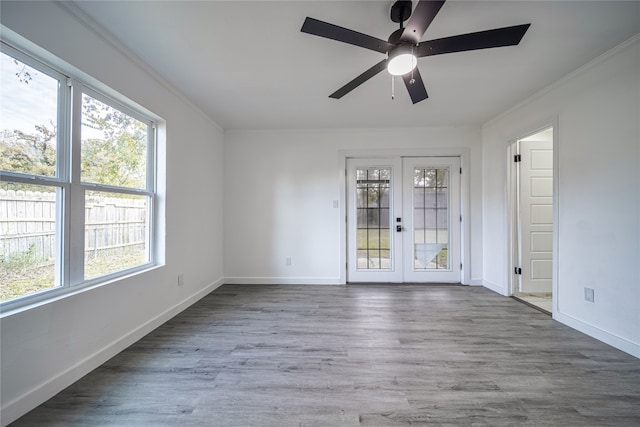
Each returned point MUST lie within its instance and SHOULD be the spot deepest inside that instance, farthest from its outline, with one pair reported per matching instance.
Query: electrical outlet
(287, 261)
(335, 204)
(180, 279)
(589, 295)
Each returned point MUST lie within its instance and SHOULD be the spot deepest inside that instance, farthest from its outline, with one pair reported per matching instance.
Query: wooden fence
(28, 224)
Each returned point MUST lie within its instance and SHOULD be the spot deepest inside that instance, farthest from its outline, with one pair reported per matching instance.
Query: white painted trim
(475, 282)
(96, 28)
(283, 281)
(393, 132)
(465, 195)
(511, 219)
(495, 288)
(465, 211)
(19, 406)
(42, 55)
(342, 243)
(568, 77)
(406, 152)
(555, 244)
(510, 202)
(600, 334)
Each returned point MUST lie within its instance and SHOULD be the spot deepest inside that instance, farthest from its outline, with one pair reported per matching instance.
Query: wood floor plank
(364, 355)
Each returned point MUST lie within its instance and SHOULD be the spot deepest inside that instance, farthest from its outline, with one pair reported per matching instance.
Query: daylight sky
(22, 105)
(25, 105)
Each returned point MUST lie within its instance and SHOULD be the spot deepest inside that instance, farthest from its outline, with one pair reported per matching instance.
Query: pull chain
(393, 87)
(412, 81)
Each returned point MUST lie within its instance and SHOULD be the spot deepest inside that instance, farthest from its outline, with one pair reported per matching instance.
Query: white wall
(598, 113)
(279, 193)
(46, 348)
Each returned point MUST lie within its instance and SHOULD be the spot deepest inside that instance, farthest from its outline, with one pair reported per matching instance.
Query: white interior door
(374, 199)
(431, 205)
(536, 216)
(403, 219)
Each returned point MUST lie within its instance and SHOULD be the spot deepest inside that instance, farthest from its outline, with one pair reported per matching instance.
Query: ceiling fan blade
(334, 32)
(507, 36)
(360, 79)
(417, 91)
(420, 20)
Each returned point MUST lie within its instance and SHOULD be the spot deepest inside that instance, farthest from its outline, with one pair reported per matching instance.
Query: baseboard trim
(16, 408)
(283, 281)
(613, 340)
(475, 282)
(495, 288)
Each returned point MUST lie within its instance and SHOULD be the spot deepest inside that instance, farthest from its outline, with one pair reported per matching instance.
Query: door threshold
(547, 312)
(404, 283)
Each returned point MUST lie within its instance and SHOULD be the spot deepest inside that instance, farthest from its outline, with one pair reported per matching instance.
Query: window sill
(21, 305)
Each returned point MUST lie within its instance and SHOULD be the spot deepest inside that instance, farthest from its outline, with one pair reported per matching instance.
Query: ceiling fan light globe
(402, 64)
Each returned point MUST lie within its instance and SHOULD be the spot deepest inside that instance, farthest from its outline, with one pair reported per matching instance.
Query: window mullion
(152, 132)
(63, 222)
(75, 209)
(104, 227)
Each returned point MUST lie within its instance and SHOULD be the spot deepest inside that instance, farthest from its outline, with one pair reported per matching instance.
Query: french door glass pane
(28, 240)
(115, 232)
(431, 218)
(373, 213)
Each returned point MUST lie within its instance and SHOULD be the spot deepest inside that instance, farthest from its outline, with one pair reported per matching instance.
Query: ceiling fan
(403, 48)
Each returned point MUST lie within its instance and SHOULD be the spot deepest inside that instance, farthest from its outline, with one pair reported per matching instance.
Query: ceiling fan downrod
(405, 45)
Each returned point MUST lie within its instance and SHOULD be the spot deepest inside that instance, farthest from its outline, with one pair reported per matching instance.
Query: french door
(403, 219)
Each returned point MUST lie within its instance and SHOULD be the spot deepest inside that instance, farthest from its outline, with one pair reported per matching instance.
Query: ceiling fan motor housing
(400, 11)
(405, 45)
(402, 48)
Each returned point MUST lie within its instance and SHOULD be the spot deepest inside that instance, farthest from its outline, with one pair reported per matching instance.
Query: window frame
(70, 190)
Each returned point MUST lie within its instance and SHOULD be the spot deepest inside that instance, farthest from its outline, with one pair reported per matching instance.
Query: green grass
(373, 240)
(16, 283)
(111, 260)
(23, 273)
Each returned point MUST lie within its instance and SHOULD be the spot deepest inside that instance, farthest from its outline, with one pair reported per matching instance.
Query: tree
(31, 153)
(114, 153)
(118, 157)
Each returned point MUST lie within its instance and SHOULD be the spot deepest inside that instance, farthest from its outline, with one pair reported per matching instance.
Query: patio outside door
(403, 218)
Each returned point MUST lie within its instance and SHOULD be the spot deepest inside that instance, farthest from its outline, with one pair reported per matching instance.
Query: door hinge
(517, 270)
(517, 158)
(460, 266)
(460, 218)
(460, 171)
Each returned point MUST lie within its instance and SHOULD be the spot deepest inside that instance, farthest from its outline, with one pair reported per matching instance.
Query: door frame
(465, 199)
(511, 213)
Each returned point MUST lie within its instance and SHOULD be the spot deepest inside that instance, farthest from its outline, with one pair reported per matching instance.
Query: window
(76, 196)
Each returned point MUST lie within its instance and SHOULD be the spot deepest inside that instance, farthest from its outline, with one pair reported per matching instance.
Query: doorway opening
(532, 234)
(404, 220)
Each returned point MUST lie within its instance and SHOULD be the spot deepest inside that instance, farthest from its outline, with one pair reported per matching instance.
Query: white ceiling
(248, 66)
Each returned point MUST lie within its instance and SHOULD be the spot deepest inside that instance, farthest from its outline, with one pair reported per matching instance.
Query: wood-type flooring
(357, 355)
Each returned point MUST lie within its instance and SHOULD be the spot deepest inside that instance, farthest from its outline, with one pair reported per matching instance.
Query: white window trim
(69, 263)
